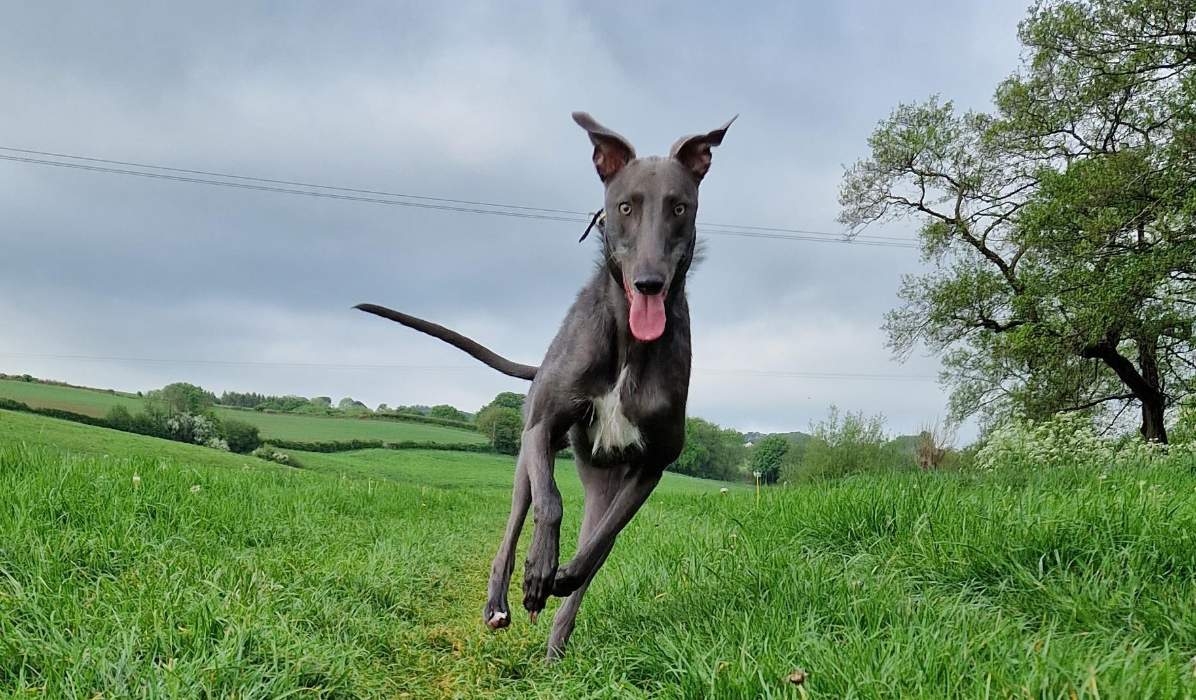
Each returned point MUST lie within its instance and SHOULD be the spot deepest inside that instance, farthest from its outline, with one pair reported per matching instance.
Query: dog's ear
(694, 151)
(611, 151)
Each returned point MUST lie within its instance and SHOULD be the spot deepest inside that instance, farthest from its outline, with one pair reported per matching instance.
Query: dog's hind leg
(496, 613)
(600, 485)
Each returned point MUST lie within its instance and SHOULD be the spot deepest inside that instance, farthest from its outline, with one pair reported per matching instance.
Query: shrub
(241, 437)
(847, 443)
(932, 447)
(119, 418)
(446, 412)
(1184, 432)
(503, 427)
(268, 453)
(1066, 440)
(710, 451)
(197, 429)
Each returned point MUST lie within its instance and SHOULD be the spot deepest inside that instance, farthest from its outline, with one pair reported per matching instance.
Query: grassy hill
(362, 575)
(279, 426)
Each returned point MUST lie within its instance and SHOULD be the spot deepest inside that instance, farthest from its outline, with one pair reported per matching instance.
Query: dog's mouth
(646, 315)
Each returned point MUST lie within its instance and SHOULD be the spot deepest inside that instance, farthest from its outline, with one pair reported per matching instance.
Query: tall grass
(362, 575)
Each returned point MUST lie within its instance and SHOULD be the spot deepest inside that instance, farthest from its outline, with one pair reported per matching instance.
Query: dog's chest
(610, 430)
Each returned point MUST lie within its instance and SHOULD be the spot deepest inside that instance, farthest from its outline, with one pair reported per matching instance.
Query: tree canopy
(1060, 227)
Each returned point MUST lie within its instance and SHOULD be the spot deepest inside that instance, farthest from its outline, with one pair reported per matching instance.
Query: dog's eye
(625, 208)
(679, 210)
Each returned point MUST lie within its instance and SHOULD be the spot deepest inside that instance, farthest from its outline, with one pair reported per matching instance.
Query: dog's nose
(649, 285)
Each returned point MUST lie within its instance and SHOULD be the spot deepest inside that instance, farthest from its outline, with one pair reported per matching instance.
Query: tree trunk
(1154, 429)
(1144, 384)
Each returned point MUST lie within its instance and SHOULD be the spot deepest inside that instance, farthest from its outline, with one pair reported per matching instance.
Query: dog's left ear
(694, 151)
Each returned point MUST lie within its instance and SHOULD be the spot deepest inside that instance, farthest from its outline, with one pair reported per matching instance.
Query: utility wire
(410, 200)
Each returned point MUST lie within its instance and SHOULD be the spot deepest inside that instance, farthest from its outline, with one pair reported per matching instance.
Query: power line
(400, 366)
(410, 200)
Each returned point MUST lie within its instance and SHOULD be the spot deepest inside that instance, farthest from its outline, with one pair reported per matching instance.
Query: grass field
(362, 575)
(285, 426)
(280, 426)
(90, 402)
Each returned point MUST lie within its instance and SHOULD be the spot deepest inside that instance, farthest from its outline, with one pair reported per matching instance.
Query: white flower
(196, 488)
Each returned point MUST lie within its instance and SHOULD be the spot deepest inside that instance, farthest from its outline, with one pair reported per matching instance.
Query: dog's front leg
(496, 614)
(535, 456)
(592, 552)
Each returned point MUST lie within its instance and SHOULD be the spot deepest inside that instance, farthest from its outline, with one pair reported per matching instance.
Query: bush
(269, 453)
(352, 406)
(503, 427)
(1066, 440)
(847, 443)
(241, 437)
(1184, 432)
(410, 417)
(446, 412)
(119, 418)
(710, 452)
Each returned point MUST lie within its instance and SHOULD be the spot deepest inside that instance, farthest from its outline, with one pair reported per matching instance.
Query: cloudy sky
(128, 282)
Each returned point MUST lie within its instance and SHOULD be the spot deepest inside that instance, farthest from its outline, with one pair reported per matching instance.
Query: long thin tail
(491, 358)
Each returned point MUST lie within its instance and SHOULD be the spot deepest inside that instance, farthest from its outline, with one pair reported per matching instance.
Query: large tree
(1059, 229)
(711, 451)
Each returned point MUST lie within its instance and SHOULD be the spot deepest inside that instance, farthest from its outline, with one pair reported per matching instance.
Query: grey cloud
(472, 104)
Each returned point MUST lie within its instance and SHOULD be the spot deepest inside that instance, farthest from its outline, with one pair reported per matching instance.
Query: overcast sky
(188, 280)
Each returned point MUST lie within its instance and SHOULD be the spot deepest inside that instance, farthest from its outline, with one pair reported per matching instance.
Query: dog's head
(651, 205)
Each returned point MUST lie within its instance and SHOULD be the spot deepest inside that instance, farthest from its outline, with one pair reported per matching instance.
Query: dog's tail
(486, 355)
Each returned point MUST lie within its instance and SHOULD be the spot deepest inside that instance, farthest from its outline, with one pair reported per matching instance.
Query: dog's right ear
(611, 151)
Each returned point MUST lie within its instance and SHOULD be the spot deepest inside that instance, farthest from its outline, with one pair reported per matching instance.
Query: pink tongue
(647, 316)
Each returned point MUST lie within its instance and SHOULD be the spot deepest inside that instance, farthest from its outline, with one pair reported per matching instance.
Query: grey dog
(614, 382)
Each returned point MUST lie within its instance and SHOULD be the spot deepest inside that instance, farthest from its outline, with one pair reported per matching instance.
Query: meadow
(279, 426)
(135, 567)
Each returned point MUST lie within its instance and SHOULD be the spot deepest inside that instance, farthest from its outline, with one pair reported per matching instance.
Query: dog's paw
(566, 581)
(538, 578)
(496, 615)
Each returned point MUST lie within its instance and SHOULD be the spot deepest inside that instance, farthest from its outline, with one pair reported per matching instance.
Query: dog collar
(598, 220)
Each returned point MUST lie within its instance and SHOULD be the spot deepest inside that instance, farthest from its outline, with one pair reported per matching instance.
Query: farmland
(279, 426)
(132, 567)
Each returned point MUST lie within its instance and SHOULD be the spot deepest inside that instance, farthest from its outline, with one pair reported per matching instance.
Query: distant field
(91, 402)
(280, 426)
(362, 576)
(319, 428)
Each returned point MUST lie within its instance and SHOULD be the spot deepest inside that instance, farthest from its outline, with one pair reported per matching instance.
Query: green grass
(280, 426)
(89, 402)
(363, 576)
(286, 426)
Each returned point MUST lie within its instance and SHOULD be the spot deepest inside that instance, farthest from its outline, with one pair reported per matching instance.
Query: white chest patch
(610, 430)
